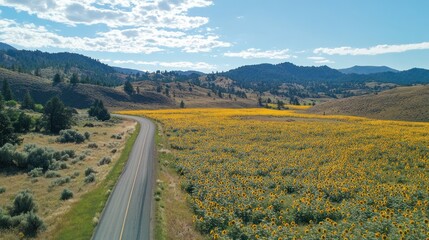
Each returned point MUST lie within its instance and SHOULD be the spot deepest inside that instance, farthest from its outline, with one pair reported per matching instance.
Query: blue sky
(219, 35)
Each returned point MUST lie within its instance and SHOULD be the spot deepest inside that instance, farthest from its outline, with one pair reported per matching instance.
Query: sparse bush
(90, 178)
(105, 160)
(75, 174)
(2, 190)
(88, 171)
(92, 145)
(31, 224)
(70, 136)
(23, 203)
(66, 194)
(36, 172)
(87, 135)
(52, 174)
(60, 181)
(40, 158)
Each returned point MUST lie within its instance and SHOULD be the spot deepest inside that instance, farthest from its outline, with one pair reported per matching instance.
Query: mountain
(367, 69)
(48, 64)
(127, 70)
(5, 47)
(189, 73)
(81, 95)
(402, 103)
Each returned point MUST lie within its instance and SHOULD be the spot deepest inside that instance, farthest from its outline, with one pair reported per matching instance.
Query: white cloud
(134, 26)
(171, 65)
(132, 40)
(258, 53)
(375, 50)
(320, 60)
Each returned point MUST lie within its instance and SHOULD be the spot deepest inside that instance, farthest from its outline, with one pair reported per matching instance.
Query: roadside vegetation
(260, 173)
(44, 151)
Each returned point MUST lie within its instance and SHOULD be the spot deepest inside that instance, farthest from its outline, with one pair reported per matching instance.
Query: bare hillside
(402, 103)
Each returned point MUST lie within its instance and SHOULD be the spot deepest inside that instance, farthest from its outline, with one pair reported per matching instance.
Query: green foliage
(66, 194)
(7, 154)
(99, 111)
(7, 134)
(105, 160)
(128, 88)
(70, 136)
(36, 172)
(23, 124)
(11, 103)
(6, 91)
(38, 108)
(31, 224)
(60, 181)
(74, 79)
(182, 104)
(56, 116)
(1, 102)
(90, 178)
(28, 102)
(40, 157)
(2, 190)
(52, 174)
(23, 203)
(88, 171)
(57, 78)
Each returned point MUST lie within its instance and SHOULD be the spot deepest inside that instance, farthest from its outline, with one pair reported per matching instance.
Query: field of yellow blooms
(269, 174)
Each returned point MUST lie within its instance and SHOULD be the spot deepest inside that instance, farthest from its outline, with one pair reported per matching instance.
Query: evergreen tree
(280, 104)
(99, 111)
(74, 79)
(56, 116)
(6, 91)
(23, 124)
(138, 90)
(57, 78)
(260, 102)
(28, 102)
(1, 102)
(182, 104)
(7, 134)
(128, 87)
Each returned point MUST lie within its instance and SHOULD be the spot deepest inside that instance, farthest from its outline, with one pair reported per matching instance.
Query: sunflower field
(269, 174)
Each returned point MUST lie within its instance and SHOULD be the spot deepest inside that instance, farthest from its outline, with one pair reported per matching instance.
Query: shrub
(60, 181)
(87, 135)
(66, 194)
(105, 160)
(7, 153)
(52, 174)
(92, 145)
(31, 224)
(40, 158)
(23, 203)
(36, 172)
(2, 190)
(88, 171)
(5, 220)
(90, 178)
(70, 136)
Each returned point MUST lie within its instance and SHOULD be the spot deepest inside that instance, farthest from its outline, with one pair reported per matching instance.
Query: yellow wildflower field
(269, 174)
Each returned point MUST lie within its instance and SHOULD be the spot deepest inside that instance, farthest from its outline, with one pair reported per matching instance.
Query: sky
(219, 35)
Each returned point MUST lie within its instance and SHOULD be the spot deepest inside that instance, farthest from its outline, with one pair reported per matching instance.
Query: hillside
(5, 47)
(48, 64)
(82, 95)
(367, 69)
(402, 103)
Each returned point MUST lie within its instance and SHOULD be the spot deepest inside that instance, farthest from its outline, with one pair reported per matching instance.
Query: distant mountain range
(4, 46)
(367, 69)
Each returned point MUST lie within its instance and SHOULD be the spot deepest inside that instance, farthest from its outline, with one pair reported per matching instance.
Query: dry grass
(50, 208)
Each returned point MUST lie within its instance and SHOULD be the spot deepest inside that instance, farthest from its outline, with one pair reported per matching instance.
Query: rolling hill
(367, 69)
(81, 95)
(5, 47)
(402, 103)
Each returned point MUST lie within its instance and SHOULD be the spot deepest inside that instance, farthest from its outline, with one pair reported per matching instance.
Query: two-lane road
(127, 214)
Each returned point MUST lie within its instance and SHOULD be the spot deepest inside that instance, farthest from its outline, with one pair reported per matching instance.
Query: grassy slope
(80, 96)
(78, 223)
(402, 103)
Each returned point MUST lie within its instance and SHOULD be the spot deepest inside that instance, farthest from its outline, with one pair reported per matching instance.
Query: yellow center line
(131, 194)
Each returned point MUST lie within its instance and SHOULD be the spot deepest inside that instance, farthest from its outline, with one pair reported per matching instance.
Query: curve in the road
(127, 214)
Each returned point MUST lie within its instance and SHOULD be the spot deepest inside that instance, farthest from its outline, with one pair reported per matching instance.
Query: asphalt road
(127, 214)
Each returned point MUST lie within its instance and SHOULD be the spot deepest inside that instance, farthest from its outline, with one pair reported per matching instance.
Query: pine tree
(99, 111)
(6, 91)
(1, 102)
(56, 116)
(28, 102)
(128, 88)
(74, 79)
(7, 134)
(182, 104)
(57, 78)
